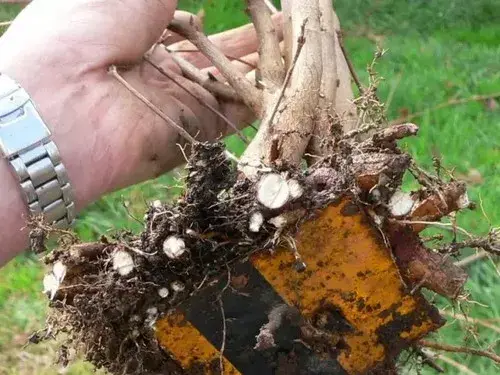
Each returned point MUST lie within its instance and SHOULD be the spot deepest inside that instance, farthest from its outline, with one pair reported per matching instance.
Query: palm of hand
(60, 51)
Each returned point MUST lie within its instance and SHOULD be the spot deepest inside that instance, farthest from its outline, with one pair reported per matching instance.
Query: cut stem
(248, 92)
(271, 67)
(191, 72)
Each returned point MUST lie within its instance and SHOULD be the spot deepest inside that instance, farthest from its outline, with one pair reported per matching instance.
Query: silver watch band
(25, 142)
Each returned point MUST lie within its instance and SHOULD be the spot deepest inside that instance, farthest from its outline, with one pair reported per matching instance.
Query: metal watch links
(25, 143)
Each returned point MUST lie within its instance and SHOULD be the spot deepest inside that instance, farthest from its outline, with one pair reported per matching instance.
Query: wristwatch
(25, 142)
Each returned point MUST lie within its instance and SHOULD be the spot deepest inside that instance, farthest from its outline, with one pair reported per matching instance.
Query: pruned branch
(284, 134)
(327, 127)
(248, 92)
(194, 74)
(289, 73)
(271, 67)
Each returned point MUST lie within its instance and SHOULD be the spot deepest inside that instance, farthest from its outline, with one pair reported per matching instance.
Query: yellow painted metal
(351, 269)
(348, 267)
(189, 347)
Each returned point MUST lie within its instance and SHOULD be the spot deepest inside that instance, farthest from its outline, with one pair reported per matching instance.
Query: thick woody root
(423, 268)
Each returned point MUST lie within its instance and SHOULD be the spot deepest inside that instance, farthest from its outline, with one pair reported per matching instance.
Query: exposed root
(114, 72)
(127, 284)
(352, 70)
(460, 349)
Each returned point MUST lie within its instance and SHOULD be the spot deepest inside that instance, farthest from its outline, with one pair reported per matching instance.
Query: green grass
(437, 50)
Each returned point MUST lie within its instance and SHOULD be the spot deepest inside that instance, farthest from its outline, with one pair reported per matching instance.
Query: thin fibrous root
(460, 349)
(449, 103)
(476, 321)
(465, 262)
(200, 100)
(350, 65)
(489, 244)
(114, 72)
(457, 365)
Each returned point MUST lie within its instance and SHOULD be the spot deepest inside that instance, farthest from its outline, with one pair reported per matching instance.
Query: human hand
(60, 52)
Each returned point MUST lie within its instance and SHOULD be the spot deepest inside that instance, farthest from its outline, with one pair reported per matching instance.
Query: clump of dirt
(111, 293)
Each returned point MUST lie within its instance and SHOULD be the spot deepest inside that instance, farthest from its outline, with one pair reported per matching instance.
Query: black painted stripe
(246, 312)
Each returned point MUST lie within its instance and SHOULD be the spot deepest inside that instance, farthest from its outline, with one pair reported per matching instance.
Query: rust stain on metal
(349, 268)
(189, 347)
(351, 287)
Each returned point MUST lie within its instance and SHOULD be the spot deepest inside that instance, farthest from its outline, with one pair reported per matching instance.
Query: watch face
(21, 130)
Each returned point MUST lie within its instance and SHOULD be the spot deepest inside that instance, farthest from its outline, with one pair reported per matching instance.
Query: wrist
(28, 144)
(60, 103)
(13, 215)
(33, 178)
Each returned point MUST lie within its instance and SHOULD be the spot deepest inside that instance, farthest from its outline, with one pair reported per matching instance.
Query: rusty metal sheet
(349, 268)
(351, 283)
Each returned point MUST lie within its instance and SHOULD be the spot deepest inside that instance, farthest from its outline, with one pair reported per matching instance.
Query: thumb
(134, 25)
(105, 31)
(131, 27)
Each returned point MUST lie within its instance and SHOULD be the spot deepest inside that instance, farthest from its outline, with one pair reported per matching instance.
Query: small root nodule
(123, 262)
